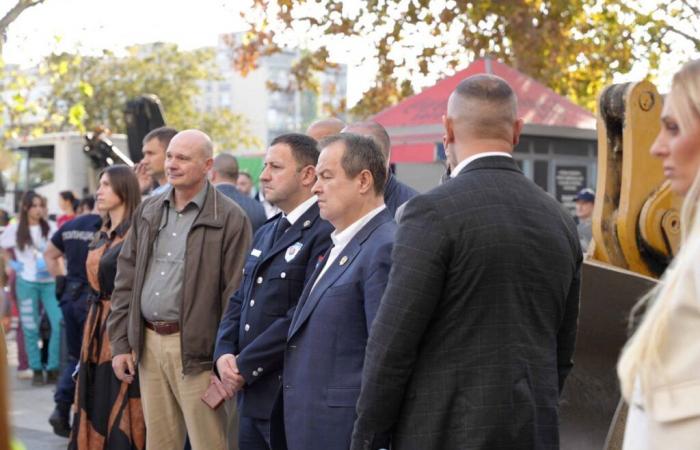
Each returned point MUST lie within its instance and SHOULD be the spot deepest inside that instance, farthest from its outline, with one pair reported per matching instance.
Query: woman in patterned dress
(109, 414)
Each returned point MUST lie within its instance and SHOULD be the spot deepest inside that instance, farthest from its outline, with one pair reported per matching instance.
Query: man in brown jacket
(180, 263)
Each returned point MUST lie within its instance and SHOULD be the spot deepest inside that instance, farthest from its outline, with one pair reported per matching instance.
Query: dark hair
(69, 197)
(125, 185)
(24, 236)
(87, 202)
(485, 87)
(226, 165)
(304, 148)
(163, 134)
(361, 153)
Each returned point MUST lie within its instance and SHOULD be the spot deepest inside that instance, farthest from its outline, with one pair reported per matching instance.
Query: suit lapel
(311, 296)
(307, 287)
(325, 282)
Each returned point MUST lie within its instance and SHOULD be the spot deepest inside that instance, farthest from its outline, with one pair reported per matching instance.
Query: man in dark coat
(224, 175)
(327, 337)
(396, 193)
(253, 332)
(475, 334)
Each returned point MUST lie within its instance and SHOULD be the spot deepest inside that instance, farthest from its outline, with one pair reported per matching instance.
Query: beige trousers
(172, 405)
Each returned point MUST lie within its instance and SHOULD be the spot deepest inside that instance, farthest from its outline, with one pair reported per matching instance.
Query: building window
(541, 174)
(523, 145)
(570, 147)
(541, 145)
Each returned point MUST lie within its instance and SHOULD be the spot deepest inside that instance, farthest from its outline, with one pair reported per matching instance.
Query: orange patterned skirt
(109, 413)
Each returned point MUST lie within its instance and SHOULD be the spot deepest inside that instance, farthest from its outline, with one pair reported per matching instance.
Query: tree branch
(14, 13)
(693, 8)
(693, 39)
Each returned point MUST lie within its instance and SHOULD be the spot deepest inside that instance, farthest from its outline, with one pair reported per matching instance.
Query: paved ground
(30, 408)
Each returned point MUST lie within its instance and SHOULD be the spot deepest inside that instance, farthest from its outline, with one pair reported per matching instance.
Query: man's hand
(228, 372)
(145, 180)
(226, 390)
(124, 367)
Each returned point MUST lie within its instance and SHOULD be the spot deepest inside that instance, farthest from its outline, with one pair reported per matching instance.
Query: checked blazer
(475, 333)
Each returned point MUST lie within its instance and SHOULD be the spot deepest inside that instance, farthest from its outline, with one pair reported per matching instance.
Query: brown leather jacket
(217, 245)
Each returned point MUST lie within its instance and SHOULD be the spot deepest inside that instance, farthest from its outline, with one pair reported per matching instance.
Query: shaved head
(483, 106)
(482, 116)
(196, 140)
(187, 162)
(226, 166)
(375, 131)
(325, 127)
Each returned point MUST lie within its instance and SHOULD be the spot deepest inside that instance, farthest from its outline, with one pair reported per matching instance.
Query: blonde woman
(659, 368)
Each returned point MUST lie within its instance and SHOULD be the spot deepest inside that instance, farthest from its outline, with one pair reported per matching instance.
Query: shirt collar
(299, 211)
(473, 158)
(341, 239)
(197, 200)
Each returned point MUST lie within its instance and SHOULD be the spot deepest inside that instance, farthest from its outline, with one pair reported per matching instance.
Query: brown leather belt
(163, 327)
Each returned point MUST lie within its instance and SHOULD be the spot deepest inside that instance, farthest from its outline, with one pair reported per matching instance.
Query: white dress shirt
(299, 211)
(341, 239)
(472, 158)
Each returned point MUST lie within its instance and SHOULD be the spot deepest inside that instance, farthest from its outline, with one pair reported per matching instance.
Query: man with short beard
(253, 332)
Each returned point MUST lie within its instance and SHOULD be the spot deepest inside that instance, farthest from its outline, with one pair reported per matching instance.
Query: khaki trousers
(172, 405)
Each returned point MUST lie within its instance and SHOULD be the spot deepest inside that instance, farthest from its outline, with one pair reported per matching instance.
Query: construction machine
(636, 233)
(70, 161)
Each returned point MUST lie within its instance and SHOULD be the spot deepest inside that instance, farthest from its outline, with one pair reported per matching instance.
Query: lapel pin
(343, 260)
(307, 224)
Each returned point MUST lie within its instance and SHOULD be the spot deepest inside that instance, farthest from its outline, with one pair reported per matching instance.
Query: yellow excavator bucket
(636, 232)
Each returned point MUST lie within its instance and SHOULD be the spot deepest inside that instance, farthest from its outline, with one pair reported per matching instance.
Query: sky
(98, 24)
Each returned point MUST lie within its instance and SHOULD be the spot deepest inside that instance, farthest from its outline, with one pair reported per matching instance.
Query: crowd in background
(336, 307)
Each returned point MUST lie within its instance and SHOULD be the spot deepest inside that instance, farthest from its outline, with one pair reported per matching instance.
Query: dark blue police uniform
(257, 320)
(72, 239)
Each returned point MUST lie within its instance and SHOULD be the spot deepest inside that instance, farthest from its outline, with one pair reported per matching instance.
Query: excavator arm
(636, 233)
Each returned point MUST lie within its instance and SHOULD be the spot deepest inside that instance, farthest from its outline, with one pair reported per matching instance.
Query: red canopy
(538, 105)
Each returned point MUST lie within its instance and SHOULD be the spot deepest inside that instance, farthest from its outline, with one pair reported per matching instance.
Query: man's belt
(163, 327)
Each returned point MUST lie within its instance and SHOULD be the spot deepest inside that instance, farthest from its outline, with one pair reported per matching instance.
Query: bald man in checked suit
(475, 333)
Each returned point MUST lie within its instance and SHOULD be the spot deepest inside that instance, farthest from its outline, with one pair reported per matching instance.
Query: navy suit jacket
(258, 316)
(252, 208)
(326, 342)
(396, 194)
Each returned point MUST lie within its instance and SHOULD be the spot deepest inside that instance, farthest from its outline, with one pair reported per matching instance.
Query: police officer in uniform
(253, 332)
(70, 243)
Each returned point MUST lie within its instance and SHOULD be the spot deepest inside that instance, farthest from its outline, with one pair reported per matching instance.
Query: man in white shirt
(326, 341)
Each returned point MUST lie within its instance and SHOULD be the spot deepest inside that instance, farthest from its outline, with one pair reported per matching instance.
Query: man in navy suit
(326, 342)
(396, 193)
(253, 332)
(224, 175)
